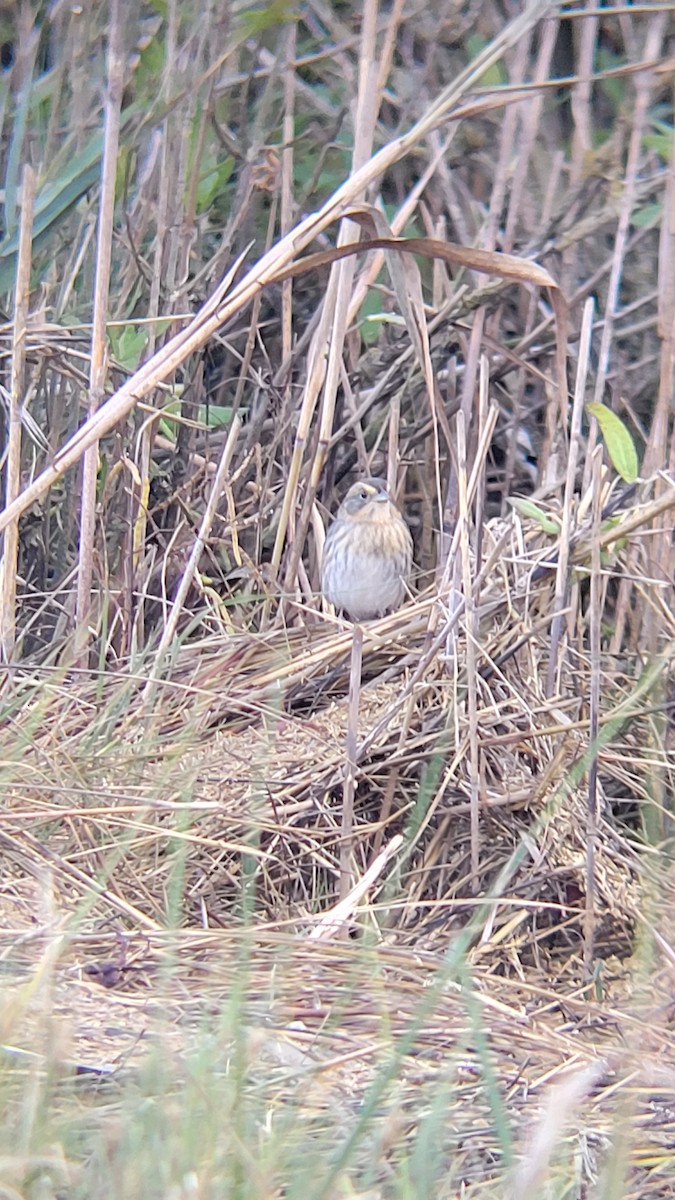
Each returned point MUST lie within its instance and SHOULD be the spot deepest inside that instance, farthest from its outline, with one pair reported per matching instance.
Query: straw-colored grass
(282, 914)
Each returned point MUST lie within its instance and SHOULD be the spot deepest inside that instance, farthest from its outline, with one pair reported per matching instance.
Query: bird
(367, 555)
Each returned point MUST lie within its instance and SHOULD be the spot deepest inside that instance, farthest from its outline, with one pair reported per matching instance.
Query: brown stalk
(349, 786)
(486, 415)
(471, 631)
(326, 371)
(394, 427)
(522, 210)
(138, 498)
(530, 115)
(405, 277)
(286, 207)
(98, 368)
(662, 433)
(562, 575)
(585, 35)
(595, 628)
(10, 552)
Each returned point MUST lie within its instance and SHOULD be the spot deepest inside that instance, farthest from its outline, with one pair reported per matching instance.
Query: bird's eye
(363, 494)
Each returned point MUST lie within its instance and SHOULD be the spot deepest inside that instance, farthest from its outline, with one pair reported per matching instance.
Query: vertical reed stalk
(99, 355)
(13, 477)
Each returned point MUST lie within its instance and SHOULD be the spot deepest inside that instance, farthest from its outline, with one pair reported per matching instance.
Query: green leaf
(212, 183)
(214, 416)
(620, 543)
(613, 86)
(647, 215)
(256, 20)
(209, 416)
(528, 508)
(128, 344)
(371, 318)
(55, 199)
(168, 430)
(153, 57)
(68, 177)
(495, 75)
(660, 140)
(619, 443)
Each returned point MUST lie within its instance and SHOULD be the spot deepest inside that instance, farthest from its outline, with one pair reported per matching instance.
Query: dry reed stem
(471, 631)
(99, 352)
(664, 552)
(160, 278)
(568, 515)
(595, 647)
(325, 371)
(10, 550)
(286, 212)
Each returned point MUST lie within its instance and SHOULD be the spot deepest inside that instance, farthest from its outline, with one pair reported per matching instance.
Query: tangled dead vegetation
(234, 768)
(180, 740)
(211, 801)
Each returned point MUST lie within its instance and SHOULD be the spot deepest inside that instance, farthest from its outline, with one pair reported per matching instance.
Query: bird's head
(366, 500)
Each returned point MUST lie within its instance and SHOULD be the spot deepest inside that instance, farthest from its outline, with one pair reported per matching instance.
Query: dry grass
(487, 1009)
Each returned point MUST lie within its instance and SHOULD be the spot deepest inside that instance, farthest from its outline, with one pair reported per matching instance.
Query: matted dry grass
(117, 825)
(240, 755)
(327, 1028)
(496, 985)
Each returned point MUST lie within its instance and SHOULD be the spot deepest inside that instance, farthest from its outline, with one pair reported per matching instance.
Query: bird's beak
(381, 497)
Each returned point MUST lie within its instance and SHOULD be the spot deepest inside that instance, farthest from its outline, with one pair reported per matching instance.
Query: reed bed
(418, 243)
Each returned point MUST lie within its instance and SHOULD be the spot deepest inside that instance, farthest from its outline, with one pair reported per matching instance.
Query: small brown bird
(368, 553)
